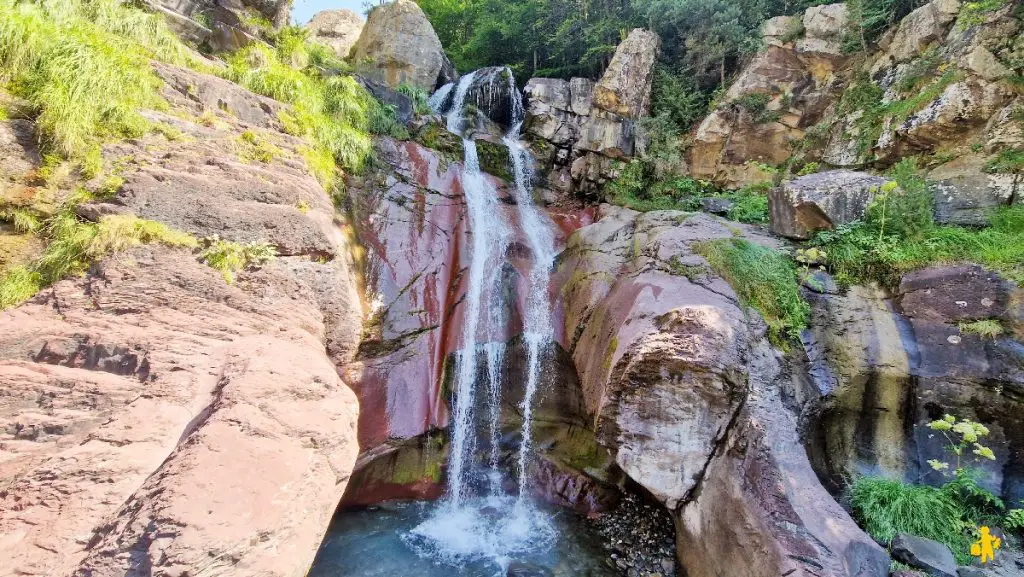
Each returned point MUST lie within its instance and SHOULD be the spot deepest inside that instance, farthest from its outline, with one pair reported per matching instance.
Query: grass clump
(23, 220)
(1008, 161)
(898, 234)
(231, 258)
(331, 112)
(74, 244)
(763, 279)
(985, 328)
(256, 148)
(884, 507)
(420, 98)
(84, 67)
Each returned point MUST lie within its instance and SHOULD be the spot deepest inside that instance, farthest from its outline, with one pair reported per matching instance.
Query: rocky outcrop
(339, 29)
(686, 393)
(580, 130)
(142, 397)
(223, 25)
(625, 86)
(398, 45)
(800, 207)
(782, 92)
(885, 368)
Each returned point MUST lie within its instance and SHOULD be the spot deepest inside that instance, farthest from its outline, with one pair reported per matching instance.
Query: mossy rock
(436, 137)
(494, 158)
(17, 248)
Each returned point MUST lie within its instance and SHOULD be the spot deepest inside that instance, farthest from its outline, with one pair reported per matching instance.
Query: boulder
(339, 29)
(966, 194)
(398, 45)
(683, 391)
(820, 201)
(824, 27)
(933, 557)
(780, 29)
(919, 30)
(625, 87)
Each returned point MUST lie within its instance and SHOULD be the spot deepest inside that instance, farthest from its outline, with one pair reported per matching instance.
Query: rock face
(823, 107)
(882, 369)
(399, 45)
(580, 130)
(686, 393)
(339, 29)
(142, 396)
(821, 201)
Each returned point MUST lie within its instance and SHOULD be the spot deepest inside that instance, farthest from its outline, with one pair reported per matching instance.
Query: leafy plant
(763, 279)
(256, 148)
(230, 257)
(1014, 521)
(384, 120)
(962, 434)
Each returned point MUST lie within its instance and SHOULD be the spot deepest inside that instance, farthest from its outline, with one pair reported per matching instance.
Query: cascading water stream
(537, 329)
(477, 522)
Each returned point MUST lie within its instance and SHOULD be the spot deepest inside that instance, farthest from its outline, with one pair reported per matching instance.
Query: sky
(305, 9)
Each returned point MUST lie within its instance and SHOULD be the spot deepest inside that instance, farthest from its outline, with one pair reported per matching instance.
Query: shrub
(383, 120)
(898, 235)
(763, 279)
(230, 257)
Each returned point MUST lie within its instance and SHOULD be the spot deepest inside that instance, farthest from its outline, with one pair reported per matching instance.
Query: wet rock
(492, 92)
(339, 29)
(625, 87)
(719, 206)
(934, 558)
(523, 569)
(638, 537)
(398, 45)
(820, 201)
(402, 104)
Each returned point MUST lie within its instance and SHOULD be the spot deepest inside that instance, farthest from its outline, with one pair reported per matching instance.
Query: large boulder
(820, 201)
(625, 87)
(919, 30)
(685, 392)
(824, 27)
(339, 29)
(398, 45)
(966, 193)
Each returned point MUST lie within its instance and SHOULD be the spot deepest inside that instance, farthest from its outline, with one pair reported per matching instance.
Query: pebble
(639, 538)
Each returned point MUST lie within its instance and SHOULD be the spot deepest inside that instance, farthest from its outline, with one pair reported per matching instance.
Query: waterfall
(487, 523)
(537, 329)
(487, 250)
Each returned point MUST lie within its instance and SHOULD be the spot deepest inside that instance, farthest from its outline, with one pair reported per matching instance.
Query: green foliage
(22, 219)
(256, 148)
(962, 435)
(74, 245)
(809, 168)
(763, 279)
(331, 112)
(1014, 521)
(677, 97)
(84, 67)
(985, 328)
(1007, 161)
(420, 98)
(383, 120)
(756, 104)
(884, 508)
(870, 18)
(974, 13)
(230, 257)
(898, 235)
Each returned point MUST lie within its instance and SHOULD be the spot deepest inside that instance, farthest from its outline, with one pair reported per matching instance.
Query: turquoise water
(420, 539)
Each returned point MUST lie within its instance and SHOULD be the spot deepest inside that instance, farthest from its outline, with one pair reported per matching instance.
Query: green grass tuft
(230, 257)
(74, 244)
(420, 98)
(986, 328)
(84, 67)
(763, 279)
